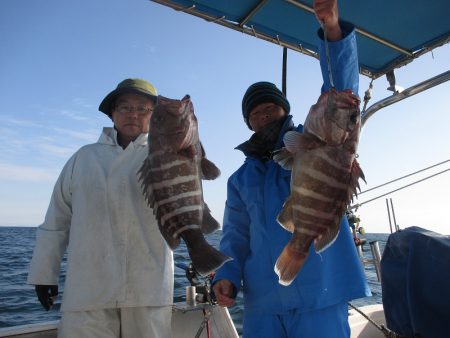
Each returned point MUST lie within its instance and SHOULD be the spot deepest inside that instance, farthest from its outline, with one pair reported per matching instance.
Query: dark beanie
(262, 92)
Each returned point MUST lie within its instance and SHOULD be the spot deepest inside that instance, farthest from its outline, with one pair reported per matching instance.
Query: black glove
(45, 294)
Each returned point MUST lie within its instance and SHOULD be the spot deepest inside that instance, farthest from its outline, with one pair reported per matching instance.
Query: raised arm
(341, 46)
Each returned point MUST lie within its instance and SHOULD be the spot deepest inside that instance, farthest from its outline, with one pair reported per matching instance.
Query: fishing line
(327, 54)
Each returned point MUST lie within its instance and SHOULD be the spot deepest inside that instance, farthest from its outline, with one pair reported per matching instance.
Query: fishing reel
(354, 221)
(203, 290)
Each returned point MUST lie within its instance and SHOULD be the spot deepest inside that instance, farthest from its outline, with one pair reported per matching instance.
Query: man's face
(131, 114)
(263, 114)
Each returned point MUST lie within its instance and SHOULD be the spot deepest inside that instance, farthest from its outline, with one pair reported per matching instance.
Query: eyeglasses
(126, 108)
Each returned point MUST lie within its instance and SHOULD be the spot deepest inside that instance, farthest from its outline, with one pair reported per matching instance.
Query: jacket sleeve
(343, 60)
(53, 235)
(235, 240)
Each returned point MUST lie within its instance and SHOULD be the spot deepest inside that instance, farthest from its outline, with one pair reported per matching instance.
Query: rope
(356, 206)
(397, 179)
(387, 333)
(204, 323)
(367, 96)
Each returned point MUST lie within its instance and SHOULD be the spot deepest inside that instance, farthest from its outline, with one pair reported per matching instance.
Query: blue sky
(58, 59)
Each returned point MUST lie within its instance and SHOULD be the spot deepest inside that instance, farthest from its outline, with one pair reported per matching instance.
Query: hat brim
(105, 105)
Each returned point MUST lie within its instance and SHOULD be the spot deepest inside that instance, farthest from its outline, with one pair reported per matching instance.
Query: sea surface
(19, 305)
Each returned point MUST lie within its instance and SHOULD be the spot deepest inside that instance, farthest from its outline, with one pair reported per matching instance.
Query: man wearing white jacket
(119, 280)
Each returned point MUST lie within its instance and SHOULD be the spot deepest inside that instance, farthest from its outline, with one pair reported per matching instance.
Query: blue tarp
(415, 280)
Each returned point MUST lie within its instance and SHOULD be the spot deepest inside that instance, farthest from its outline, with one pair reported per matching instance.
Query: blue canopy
(389, 33)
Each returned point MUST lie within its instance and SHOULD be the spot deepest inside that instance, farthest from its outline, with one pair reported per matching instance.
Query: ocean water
(19, 305)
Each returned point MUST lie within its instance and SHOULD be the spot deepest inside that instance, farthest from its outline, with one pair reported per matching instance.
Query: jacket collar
(288, 124)
(109, 137)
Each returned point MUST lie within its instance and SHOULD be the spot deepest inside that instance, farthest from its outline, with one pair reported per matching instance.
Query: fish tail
(289, 263)
(204, 256)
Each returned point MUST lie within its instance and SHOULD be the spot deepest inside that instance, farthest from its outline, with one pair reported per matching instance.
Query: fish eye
(158, 118)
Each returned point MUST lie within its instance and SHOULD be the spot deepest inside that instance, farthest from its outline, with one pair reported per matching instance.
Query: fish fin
(284, 158)
(355, 174)
(171, 241)
(209, 223)
(144, 176)
(325, 240)
(285, 216)
(209, 169)
(297, 142)
(204, 256)
(289, 263)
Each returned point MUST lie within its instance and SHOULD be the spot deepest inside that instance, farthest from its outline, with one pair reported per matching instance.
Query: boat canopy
(389, 33)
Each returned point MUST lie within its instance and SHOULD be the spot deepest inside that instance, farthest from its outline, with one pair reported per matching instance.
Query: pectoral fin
(209, 169)
(285, 216)
(284, 158)
(326, 239)
(297, 142)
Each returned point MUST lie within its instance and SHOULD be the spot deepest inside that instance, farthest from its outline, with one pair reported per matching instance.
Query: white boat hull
(361, 328)
(187, 322)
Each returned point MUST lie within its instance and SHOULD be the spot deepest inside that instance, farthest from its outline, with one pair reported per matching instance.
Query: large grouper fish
(324, 178)
(171, 178)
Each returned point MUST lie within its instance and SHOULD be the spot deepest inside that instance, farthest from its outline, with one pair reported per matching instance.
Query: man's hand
(328, 15)
(45, 294)
(224, 290)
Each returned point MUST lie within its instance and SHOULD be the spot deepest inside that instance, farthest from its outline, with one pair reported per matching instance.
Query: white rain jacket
(116, 256)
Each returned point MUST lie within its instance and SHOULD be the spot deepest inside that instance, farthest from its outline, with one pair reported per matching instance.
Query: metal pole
(375, 248)
(418, 88)
(397, 228)
(389, 214)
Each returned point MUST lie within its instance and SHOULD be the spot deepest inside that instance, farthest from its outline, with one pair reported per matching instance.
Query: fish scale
(171, 182)
(324, 177)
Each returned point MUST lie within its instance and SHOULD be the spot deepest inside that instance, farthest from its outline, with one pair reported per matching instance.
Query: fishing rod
(356, 206)
(408, 175)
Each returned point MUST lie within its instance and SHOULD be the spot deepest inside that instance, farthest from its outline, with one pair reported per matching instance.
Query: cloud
(90, 136)
(82, 103)
(21, 123)
(51, 149)
(74, 115)
(27, 174)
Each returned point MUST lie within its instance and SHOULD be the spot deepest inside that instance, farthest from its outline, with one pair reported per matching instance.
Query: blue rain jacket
(254, 239)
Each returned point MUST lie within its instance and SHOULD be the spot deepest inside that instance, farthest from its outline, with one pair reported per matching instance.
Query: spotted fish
(324, 178)
(171, 178)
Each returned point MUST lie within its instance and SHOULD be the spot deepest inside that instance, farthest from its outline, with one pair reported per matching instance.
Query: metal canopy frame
(401, 95)
(382, 35)
(259, 22)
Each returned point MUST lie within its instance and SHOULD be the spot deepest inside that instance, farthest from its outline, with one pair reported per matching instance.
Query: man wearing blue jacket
(315, 304)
